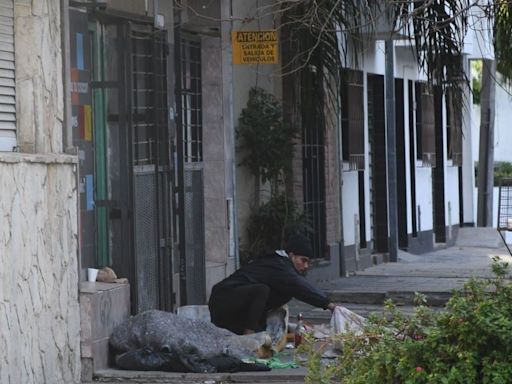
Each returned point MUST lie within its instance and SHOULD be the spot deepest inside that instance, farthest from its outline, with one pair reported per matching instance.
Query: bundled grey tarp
(158, 340)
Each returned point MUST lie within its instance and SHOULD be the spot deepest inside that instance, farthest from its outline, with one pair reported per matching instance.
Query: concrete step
(314, 315)
(479, 237)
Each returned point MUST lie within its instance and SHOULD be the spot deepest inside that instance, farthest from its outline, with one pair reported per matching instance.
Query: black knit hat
(299, 245)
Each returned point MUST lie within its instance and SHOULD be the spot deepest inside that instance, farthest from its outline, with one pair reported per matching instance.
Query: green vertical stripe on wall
(100, 147)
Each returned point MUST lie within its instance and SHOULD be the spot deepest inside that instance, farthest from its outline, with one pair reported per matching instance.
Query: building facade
(340, 169)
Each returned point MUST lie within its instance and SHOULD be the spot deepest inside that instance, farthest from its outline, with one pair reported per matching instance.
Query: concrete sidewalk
(434, 274)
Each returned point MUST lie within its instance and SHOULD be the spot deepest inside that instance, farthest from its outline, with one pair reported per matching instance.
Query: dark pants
(239, 308)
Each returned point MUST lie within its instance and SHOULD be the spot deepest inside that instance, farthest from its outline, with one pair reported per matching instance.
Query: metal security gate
(146, 249)
(313, 156)
(150, 148)
(504, 221)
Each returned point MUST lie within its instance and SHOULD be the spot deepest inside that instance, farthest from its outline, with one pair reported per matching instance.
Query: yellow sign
(255, 47)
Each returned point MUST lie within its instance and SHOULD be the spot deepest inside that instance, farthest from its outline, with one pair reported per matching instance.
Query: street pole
(391, 148)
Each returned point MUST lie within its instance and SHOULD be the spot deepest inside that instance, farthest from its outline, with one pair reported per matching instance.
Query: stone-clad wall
(39, 313)
(39, 92)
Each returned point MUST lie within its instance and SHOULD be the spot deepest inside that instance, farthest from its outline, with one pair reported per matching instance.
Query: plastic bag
(344, 321)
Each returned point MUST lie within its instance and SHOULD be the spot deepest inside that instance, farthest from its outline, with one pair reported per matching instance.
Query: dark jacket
(279, 274)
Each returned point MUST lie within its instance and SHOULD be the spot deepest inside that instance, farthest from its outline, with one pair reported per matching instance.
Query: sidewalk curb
(436, 299)
(281, 376)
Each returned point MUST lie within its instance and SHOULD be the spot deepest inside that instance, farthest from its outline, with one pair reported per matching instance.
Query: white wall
(451, 188)
(373, 61)
(502, 124)
(478, 39)
(350, 193)
(424, 198)
(502, 131)
(406, 69)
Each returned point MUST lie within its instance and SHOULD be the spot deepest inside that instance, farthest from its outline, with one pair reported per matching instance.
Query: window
(7, 81)
(454, 125)
(425, 124)
(191, 104)
(352, 118)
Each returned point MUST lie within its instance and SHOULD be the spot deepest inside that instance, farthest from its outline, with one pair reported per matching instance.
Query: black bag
(149, 359)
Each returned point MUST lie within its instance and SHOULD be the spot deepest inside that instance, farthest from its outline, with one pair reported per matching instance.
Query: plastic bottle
(299, 330)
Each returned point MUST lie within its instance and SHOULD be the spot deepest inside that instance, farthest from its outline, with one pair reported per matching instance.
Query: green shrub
(502, 170)
(266, 147)
(265, 141)
(469, 342)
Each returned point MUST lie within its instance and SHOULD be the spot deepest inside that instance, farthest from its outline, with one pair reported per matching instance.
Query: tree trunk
(486, 145)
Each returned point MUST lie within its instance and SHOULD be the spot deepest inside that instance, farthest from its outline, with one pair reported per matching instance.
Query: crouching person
(240, 302)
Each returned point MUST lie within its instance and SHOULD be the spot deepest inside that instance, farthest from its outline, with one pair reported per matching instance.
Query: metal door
(401, 184)
(313, 158)
(151, 161)
(438, 171)
(189, 195)
(132, 101)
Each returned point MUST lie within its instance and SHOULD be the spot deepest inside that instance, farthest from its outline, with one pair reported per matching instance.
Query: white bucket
(92, 274)
(197, 312)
